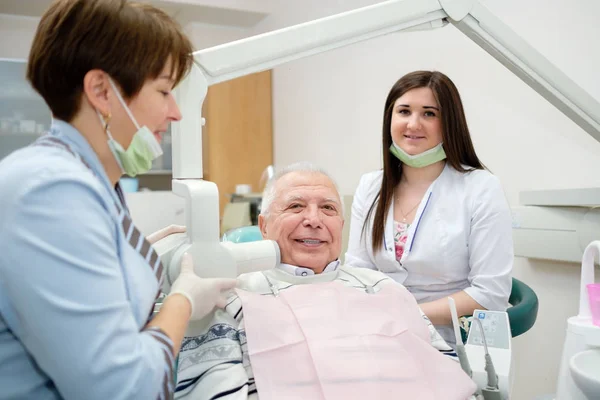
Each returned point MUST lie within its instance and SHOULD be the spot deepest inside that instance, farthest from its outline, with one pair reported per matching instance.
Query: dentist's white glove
(204, 294)
(164, 232)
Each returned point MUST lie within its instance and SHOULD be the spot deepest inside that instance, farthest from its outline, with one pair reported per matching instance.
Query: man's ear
(96, 90)
(262, 225)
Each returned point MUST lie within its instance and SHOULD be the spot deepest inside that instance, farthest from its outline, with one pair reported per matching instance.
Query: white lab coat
(460, 239)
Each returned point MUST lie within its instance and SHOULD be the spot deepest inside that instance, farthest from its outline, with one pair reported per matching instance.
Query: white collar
(301, 271)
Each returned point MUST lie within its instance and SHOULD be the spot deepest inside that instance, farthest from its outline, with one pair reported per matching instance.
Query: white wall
(17, 32)
(328, 109)
(205, 35)
(16, 35)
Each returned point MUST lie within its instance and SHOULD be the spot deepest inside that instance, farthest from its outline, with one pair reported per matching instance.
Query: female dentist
(434, 219)
(78, 282)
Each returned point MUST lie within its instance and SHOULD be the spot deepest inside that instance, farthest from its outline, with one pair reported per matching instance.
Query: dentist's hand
(164, 232)
(203, 293)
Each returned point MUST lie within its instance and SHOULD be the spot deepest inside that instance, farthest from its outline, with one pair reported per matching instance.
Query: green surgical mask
(138, 157)
(424, 159)
(143, 149)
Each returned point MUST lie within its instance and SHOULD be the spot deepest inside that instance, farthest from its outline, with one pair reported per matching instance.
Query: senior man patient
(312, 328)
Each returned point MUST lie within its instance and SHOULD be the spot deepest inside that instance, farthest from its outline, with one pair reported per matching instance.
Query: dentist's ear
(96, 90)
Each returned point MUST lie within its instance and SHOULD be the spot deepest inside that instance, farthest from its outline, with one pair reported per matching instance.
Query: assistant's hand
(164, 232)
(203, 293)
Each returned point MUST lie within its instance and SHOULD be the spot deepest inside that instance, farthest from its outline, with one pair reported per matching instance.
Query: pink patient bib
(326, 341)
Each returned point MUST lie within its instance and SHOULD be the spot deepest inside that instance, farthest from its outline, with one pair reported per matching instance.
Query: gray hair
(303, 166)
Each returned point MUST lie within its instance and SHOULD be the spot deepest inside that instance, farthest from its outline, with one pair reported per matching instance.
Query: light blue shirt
(75, 295)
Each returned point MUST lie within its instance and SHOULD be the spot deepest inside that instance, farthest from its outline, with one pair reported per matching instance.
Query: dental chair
(524, 302)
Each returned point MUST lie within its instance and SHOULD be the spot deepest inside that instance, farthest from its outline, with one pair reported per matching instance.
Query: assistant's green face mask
(424, 159)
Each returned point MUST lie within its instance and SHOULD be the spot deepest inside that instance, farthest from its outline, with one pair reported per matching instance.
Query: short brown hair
(129, 41)
(458, 146)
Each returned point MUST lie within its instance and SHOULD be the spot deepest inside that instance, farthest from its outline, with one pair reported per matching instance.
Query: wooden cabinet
(238, 135)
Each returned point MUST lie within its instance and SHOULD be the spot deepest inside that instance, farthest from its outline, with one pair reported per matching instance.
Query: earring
(107, 118)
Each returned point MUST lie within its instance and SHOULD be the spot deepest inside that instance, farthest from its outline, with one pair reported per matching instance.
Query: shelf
(585, 197)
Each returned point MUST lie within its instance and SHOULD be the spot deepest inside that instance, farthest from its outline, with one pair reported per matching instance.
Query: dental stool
(524, 308)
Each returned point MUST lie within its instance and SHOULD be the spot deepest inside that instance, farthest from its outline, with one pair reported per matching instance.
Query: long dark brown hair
(458, 146)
